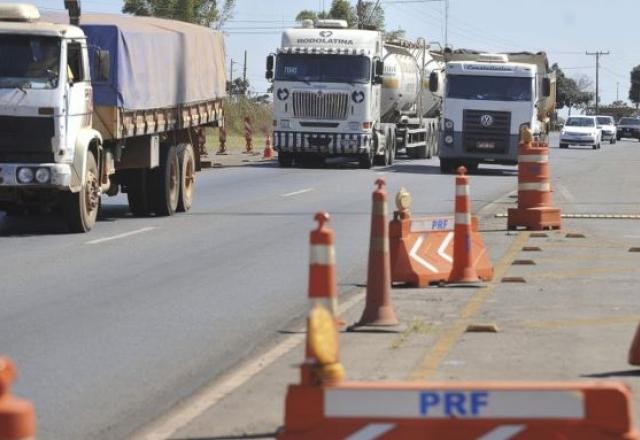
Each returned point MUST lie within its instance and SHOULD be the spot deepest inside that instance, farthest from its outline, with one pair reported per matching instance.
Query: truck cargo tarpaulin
(155, 63)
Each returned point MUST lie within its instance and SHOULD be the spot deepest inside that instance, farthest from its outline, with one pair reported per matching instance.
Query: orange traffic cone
(17, 417)
(378, 309)
(267, 154)
(463, 270)
(322, 266)
(634, 350)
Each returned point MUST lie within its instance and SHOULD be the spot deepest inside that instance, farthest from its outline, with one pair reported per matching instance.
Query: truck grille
(314, 105)
(489, 138)
(26, 139)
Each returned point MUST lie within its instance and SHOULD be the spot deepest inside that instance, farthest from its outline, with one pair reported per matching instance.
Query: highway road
(111, 329)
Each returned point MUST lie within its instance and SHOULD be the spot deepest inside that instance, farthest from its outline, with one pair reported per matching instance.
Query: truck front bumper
(456, 151)
(60, 175)
(321, 143)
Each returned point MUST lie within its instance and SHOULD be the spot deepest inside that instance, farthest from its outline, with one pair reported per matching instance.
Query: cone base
(534, 219)
(634, 350)
(378, 317)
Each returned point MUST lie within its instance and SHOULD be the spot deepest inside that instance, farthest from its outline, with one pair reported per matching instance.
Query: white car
(608, 127)
(581, 130)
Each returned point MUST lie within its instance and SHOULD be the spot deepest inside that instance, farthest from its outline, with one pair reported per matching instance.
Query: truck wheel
(366, 160)
(82, 207)
(285, 159)
(564, 145)
(137, 182)
(165, 180)
(421, 152)
(186, 162)
(446, 166)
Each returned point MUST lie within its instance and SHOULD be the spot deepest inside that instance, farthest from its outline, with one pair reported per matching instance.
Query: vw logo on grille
(326, 34)
(486, 120)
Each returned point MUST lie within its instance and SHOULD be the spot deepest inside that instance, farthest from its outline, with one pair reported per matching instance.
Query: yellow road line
(449, 337)
(581, 273)
(582, 322)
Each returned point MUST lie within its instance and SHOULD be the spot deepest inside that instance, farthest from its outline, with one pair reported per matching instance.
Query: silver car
(608, 127)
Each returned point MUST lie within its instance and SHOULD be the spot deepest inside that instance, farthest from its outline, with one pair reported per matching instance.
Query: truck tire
(285, 160)
(165, 183)
(421, 152)
(446, 166)
(137, 183)
(81, 208)
(564, 145)
(366, 160)
(186, 162)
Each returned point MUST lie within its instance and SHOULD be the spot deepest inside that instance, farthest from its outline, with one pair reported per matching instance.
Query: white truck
(489, 99)
(103, 103)
(348, 93)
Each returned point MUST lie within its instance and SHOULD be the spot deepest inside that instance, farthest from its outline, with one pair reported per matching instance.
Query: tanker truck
(96, 104)
(489, 99)
(342, 92)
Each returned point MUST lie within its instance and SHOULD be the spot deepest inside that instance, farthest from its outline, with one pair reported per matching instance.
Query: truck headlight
(354, 126)
(25, 175)
(43, 175)
(448, 139)
(285, 123)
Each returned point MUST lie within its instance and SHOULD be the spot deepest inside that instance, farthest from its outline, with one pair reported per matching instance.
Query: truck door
(79, 92)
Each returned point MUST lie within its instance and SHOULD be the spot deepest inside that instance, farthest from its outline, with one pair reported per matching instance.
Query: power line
(597, 54)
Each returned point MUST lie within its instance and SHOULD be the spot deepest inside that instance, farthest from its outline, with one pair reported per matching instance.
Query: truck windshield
(323, 68)
(28, 61)
(489, 88)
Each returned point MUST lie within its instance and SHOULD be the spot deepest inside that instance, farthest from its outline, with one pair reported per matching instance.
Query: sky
(564, 29)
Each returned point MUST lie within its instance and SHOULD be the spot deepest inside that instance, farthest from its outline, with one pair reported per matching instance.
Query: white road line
(566, 193)
(126, 234)
(213, 393)
(295, 193)
(372, 431)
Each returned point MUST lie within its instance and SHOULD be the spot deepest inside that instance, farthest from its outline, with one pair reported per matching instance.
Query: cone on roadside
(17, 416)
(378, 309)
(322, 266)
(463, 270)
(634, 350)
(267, 154)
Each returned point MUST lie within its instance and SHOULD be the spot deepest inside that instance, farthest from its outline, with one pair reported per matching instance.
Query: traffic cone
(378, 309)
(463, 270)
(17, 416)
(268, 151)
(322, 266)
(634, 350)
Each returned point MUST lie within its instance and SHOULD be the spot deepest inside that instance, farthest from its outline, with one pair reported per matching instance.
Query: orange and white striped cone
(248, 133)
(378, 309)
(463, 270)
(222, 139)
(634, 350)
(17, 416)
(267, 154)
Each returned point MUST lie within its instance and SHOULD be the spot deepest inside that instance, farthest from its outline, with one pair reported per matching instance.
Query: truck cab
(488, 101)
(45, 115)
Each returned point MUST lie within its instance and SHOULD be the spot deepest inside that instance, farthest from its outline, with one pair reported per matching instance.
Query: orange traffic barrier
(378, 309)
(222, 140)
(322, 265)
(634, 350)
(324, 406)
(465, 257)
(534, 211)
(17, 416)
(248, 134)
(267, 154)
(421, 248)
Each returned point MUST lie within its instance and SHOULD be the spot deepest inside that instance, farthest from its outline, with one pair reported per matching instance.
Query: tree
(210, 13)
(342, 10)
(571, 92)
(370, 15)
(238, 87)
(634, 90)
(365, 15)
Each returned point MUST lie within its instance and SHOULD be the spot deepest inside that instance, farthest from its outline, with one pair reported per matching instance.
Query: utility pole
(231, 78)
(244, 68)
(617, 89)
(597, 55)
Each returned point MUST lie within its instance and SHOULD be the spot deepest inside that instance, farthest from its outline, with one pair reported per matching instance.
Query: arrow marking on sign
(504, 432)
(422, 262)
(443, 248)
(372, 431)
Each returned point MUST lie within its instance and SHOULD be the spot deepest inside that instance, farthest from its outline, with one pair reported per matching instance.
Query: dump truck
(97, 104)
(489, 99)
(342, 92)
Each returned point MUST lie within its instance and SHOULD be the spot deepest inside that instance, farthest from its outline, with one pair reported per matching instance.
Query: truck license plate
(486, 145)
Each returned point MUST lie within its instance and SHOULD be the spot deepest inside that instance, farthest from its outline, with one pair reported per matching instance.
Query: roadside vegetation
(235, 110)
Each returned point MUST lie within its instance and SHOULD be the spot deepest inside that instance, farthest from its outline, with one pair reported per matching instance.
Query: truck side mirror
(378, 71)
(270, 62)
(546, 87)
(103, 70)
(433, 82)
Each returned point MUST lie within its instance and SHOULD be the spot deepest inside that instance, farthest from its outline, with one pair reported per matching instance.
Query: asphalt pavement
(114, 329)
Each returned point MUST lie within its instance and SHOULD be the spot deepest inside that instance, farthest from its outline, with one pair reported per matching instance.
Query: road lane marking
(126, 234)
(580, 273)
(583, 322)
(295, 193)
(446, 341)
(210, 395)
